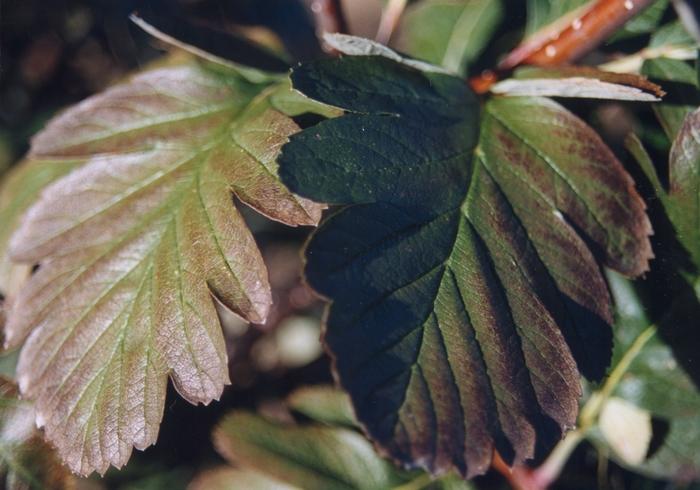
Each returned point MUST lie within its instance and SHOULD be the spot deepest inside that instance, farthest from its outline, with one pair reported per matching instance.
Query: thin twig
(566, 39)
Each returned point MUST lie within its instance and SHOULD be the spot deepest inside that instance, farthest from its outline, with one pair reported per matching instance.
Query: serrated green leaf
(449, 33)
(463, 292)
(137, 244)
(308, 457)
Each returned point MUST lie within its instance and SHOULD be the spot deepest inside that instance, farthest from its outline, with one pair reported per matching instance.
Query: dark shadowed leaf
(464, 290)
(679, 80)
(449, 33)
(137, 244)
(219, 47)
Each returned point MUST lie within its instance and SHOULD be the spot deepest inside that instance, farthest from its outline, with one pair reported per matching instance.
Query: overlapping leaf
(137, 244)
(312, 455)
(582, 82)
(19, 189)
(449, 33)
(462, 276)
(681, 122)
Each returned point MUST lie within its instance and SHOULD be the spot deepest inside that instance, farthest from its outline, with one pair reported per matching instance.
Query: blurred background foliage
(53, 54)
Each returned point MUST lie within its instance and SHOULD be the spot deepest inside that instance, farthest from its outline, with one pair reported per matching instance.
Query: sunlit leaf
(578, 82)
(627, 429)
(449, 33)
(465, 299)
(656, 383)
(137, 244)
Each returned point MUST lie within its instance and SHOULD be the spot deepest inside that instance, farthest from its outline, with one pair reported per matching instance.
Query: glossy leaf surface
(465, 298)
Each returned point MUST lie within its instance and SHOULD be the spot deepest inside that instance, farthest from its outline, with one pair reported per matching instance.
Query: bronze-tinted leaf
(137, 244)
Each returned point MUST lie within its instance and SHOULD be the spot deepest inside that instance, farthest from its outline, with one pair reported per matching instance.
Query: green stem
(417, 483)
(550, 470)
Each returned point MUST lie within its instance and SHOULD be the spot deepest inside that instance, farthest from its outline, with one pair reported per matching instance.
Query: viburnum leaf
(135, 246)
(462, 275)
(449, 33)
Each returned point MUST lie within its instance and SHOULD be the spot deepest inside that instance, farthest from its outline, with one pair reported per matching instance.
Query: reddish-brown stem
(567, 39)
(519, 477)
